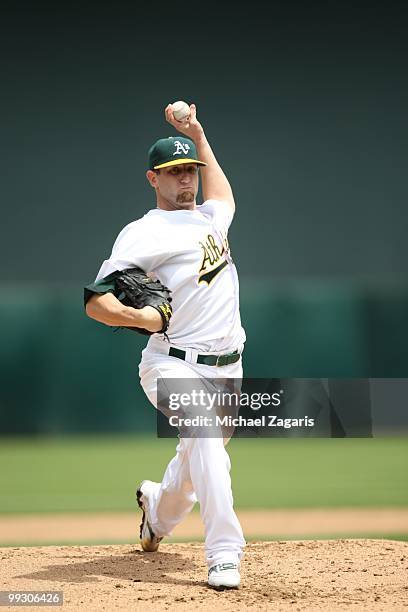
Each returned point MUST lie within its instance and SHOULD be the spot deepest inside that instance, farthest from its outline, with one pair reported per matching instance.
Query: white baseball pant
(200, 471)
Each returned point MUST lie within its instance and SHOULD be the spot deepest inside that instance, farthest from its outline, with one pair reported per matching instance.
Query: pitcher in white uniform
(185, 246)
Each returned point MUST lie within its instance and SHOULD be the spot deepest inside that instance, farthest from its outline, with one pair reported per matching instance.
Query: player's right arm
(214, 183)
(107, 309)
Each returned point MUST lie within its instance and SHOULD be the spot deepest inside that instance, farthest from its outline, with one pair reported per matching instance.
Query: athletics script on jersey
(214, 259)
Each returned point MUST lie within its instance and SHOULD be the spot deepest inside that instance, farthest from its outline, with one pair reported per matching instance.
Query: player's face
(176, 186)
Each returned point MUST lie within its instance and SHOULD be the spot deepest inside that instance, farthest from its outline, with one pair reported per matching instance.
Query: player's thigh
(169, 372)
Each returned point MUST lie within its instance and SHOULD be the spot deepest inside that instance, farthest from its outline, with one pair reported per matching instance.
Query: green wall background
(63, 372)
(304, 104)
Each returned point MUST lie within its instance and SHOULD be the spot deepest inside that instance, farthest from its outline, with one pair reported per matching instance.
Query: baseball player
(185, 247)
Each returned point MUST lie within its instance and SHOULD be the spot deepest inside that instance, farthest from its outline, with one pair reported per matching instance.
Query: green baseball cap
(172, 151)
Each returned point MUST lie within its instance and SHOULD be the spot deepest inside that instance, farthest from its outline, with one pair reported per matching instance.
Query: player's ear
(152, 178)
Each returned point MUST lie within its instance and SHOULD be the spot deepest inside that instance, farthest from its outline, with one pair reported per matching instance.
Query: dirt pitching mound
(294, 575)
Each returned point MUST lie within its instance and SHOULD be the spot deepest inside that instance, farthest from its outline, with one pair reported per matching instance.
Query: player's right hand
(192, 128)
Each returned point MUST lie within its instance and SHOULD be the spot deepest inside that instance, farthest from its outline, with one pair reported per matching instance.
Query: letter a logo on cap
(181, 148)
(172, 151)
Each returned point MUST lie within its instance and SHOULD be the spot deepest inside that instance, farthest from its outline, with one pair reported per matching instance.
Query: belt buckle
(218, 358)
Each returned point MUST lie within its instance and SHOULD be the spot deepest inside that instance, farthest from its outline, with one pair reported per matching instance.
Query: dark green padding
(104, 285)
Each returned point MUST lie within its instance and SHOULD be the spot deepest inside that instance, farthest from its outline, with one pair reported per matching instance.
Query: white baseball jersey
(187, 250)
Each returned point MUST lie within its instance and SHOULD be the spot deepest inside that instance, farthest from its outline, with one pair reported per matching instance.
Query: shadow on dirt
(134, 566)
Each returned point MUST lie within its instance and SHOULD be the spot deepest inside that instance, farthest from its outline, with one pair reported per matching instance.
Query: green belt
(210, 360)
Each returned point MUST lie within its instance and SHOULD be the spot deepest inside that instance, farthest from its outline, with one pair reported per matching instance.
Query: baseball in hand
(181, 111)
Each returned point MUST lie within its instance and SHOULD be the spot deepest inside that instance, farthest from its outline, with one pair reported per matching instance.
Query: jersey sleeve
(220, 212)
(104, 285)
(136, 245)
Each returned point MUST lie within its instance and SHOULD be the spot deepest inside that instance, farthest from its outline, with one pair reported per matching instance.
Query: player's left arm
(214, 183)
